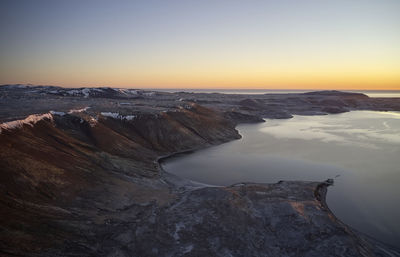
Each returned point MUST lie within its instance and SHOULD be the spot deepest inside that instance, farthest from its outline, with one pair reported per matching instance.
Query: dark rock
(240, 117)
(336, 93)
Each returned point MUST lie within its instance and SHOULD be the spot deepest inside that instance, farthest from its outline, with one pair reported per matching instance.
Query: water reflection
(362, 147)
(353, 128)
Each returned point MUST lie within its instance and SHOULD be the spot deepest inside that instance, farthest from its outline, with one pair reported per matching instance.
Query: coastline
(181, 169)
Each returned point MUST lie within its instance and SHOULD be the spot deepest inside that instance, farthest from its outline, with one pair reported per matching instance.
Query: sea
(360, 150)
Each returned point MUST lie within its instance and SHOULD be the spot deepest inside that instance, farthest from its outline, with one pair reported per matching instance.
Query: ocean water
(370, 93)
(359, 149)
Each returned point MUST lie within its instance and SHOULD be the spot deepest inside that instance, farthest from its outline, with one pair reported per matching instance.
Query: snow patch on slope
(57, 113)
(30, 120)
(78, 92)
(126, 91)
(78, 110)
(116, 115)
(85, 92)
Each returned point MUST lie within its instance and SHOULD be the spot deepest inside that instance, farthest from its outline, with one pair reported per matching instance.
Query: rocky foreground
(79, 176)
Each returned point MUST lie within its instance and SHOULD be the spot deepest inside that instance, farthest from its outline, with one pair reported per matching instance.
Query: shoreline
(182, 154)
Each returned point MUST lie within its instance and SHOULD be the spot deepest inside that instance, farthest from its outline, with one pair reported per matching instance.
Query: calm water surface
(362, 148)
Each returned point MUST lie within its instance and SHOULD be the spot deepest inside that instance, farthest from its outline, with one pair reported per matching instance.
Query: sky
(281, 44)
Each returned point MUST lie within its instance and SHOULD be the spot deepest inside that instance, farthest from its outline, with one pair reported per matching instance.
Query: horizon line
(204, 89)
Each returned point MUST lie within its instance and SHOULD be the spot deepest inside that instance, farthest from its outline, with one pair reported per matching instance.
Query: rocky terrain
(79, 176)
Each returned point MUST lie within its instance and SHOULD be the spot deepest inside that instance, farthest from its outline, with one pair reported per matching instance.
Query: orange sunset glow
(268, 45)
